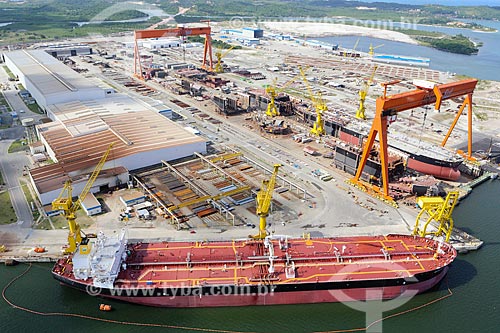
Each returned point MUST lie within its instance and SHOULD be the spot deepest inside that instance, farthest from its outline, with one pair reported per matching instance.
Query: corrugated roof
(83, 131)
(49, 75)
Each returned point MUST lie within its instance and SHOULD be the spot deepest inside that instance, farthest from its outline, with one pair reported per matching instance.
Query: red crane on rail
(390, 106)
(181, 31)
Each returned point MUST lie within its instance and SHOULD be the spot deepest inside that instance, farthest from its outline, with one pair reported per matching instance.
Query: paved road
(12, 168)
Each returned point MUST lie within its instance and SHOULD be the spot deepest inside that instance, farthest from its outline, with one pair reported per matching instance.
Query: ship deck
(185, 264)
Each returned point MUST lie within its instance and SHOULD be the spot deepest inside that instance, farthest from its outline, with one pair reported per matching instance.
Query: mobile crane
(319, 105)
(360, 114)
(69, 207)
(219, 54)
(264, 198)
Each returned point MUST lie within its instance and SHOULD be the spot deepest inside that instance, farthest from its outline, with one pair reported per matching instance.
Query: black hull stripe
(255, 289)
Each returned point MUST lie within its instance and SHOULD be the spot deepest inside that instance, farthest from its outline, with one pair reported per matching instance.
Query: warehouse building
(82, 132)
(68, 50)
(85, 121)
(50, 81)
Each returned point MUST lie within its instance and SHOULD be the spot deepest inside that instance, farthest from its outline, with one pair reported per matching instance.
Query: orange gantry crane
(390, 106)
(181, 31)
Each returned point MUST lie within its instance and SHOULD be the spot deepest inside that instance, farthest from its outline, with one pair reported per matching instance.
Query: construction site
(174, 139)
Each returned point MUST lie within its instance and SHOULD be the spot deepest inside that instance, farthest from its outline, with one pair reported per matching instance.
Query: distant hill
(443, 2)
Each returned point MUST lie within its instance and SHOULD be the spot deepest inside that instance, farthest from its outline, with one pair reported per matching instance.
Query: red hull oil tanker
(274, 270)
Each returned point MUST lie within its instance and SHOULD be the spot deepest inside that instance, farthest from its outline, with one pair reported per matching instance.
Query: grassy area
(44, 225)
(17, 146)
(29, 198)
(3, 102)
(83, 220)
(455, 44)
(1, 178)
(34, 108)
(7, 213)
(9, 73)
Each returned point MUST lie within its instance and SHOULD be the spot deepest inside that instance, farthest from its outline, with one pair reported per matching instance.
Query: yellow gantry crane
(360, 114)
(220, 55)
(272, 91)
(264, 198)
(319, 105)
(69, 207)
(438, 210)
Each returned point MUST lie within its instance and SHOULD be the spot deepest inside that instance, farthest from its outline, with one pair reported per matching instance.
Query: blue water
(484, 65)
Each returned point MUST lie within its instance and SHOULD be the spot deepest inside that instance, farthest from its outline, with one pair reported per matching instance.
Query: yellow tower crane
(264, 198)
(373, 48)
(272, 91)
(360, 114)
(220, 55)
(319, 105)
(439, 210)
(69, 207)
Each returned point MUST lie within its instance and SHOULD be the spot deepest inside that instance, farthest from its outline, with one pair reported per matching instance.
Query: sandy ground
(331, 29)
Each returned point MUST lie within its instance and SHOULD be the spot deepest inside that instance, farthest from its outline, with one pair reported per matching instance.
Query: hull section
(438, 170)
(318, 294)
(257, 272)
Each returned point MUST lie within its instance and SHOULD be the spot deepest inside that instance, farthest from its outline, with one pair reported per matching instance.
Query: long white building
(85, 121)
(49, 80)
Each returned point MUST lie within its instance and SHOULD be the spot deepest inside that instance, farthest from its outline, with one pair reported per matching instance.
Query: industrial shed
(83, 130)
(48, 80)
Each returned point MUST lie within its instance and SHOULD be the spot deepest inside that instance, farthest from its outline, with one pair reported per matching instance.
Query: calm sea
(473, 278)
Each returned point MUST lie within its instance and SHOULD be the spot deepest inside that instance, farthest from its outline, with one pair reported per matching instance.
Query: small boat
(40, 249)
(104, 307)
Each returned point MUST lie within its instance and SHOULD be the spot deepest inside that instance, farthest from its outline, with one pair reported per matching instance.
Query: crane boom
(319, 105)
(264, 198)
(272, 90)
(219, 55)
(360, 114)
(69, 207)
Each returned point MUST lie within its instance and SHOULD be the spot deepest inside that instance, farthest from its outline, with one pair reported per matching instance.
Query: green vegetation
(442, 21)
(126, 15)
(29, 198)
(34, 108)
(84, 221)
(3, 102)
(18, 145)
(456, 44)
(9, 73)
(44, 224)
(215, 43)
(7, 213)
(37, 21)
(1, 179)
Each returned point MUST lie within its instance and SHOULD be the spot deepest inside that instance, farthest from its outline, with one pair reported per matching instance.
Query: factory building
(85, 121)
(50, 81)
(68, 50)
(161, 43)
(82, 131)
(252, 32)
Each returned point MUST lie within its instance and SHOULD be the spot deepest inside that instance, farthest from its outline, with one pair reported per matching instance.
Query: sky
(443, 2)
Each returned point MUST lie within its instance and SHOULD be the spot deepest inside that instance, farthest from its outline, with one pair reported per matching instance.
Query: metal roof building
(48, 80)
(83, 130)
